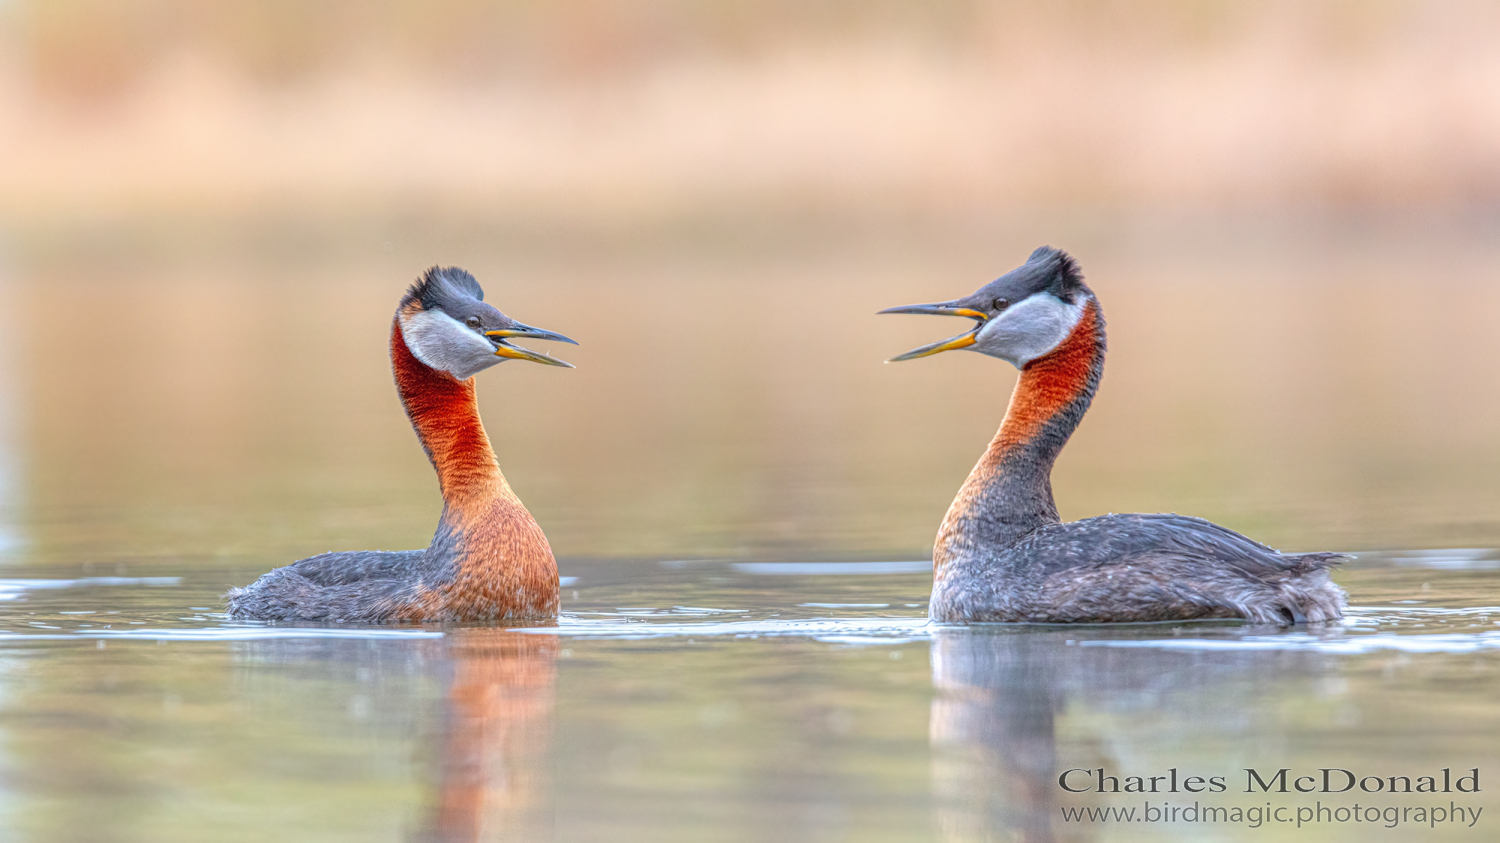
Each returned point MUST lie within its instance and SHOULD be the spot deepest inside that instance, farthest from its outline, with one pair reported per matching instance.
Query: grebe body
(488, 559)
(1003, 554)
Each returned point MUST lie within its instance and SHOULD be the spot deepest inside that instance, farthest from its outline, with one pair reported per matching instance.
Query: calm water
(232, 411)
(719, 700)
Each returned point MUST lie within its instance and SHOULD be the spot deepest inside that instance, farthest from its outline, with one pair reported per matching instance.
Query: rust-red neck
(1009, 492)
(445, 414)
(1054, 389)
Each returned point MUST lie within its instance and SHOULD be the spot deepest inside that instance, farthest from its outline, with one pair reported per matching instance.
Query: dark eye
(1001, 304)
(472, 321)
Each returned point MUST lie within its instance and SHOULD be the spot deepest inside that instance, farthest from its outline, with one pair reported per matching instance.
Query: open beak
(941, 309)
(519, 331)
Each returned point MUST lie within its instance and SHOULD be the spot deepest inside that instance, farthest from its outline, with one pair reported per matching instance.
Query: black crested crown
(1067, 277)
(440, 284)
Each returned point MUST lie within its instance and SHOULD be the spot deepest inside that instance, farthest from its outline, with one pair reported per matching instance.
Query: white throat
(443, 343)
(1031, 328)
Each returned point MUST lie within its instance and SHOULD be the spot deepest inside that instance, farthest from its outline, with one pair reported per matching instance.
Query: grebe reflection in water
(494, 765)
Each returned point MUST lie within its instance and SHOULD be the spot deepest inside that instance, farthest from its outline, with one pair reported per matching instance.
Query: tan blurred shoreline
(606, 114)
(1289, 209)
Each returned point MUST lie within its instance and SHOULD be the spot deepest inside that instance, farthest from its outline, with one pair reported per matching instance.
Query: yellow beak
(941, 309)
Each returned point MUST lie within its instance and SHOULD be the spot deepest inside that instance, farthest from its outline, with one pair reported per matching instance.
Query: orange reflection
(495, 775)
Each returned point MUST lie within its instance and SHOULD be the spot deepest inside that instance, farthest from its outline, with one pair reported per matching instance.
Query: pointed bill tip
(547, 360)
(517, 353)
(528, 332)
(934, 309)
(961, 341)
(910, 355)
(939, 309)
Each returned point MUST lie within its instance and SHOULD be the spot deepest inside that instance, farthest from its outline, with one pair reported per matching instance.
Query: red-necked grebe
(488, 559)
(1003, 554)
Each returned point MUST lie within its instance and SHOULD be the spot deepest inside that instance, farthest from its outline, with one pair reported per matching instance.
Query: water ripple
(1352, 645)
(803, 569)
(833, 630)
(223, 633)
(14, 588)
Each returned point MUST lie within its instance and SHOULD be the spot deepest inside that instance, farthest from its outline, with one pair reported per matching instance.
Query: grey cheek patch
(1029, 329)
(438, 340)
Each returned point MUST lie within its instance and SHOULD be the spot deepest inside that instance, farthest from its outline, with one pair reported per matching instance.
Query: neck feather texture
(1009, 492)
(488, 558)
(445, 414)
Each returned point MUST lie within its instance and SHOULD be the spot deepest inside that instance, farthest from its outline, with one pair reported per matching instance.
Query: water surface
(701, 700)
(743, 499)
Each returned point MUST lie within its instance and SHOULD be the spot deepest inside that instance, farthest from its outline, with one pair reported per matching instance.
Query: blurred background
(209, 210)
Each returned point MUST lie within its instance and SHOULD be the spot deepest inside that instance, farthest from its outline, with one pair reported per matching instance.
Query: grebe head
(1020, 316)
(448, 326)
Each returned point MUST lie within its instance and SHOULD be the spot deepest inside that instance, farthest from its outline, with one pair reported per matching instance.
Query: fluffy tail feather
(1304, 594)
